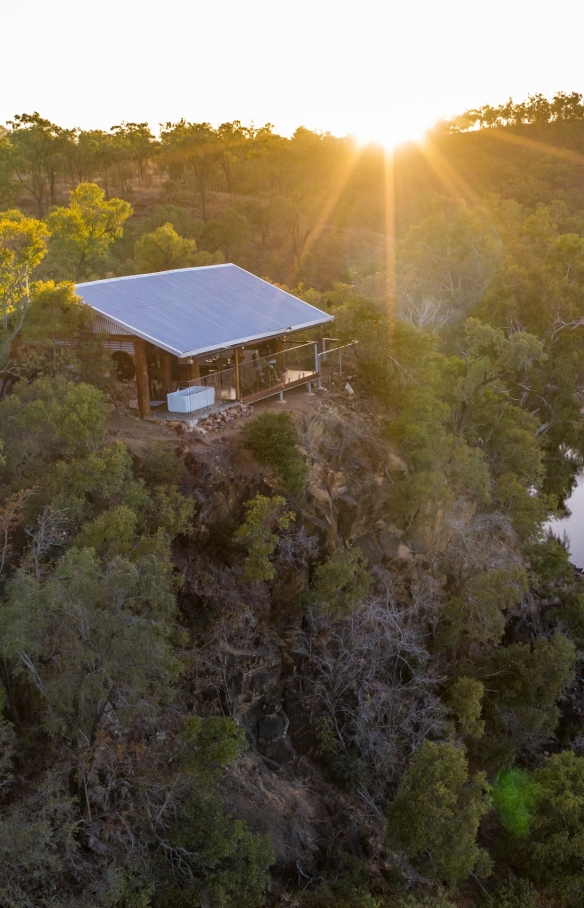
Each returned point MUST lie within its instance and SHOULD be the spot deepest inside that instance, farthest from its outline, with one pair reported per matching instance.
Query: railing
(265, 375)
(261, 374)
(337, 358)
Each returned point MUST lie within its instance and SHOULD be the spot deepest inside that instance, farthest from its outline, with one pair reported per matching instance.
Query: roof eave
(237, 342)
(240, 341)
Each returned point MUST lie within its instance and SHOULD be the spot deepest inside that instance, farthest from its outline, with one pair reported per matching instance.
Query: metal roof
(195, 310)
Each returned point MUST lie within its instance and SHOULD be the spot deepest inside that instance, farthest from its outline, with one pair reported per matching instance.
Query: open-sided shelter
(215, 326)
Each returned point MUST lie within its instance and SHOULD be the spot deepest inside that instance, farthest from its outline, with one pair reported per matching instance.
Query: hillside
(312, 655)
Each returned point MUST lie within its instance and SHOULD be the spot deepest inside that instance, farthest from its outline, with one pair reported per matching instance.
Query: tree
(195, 144)
(477, 614)
(552, 854)
(435, 815)
(121, 662)
(273, 439)
(233, 140)
(263, 515)
(341, 584)
(22, 247)
(465, 701)
(50, 419)
(164, 249)
(81, 235)
(36, 149)
(56, 313)
(228, 234)
(522, 687)
(140, 143)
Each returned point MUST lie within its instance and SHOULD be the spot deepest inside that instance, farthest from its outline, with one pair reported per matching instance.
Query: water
(573, 525)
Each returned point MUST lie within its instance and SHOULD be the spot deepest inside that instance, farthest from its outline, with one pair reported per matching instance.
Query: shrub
(552, 855)
(263, 515)
(273, 439)
(465, 701)
(522, 687)
(341, 583)
(160, 466)
(435, 816)
(513, 797)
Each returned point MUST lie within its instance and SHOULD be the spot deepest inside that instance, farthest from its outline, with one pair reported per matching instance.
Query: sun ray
(450, 178)
(566, 154)
(331, 202)
(390, 237)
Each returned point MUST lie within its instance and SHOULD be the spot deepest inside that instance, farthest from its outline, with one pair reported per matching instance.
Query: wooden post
(142, 377)
(193, 370)
(237, 382)
(166, 372)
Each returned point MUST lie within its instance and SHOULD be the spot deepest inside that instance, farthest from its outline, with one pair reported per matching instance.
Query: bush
(263, 515)
(341, 583)
(553, 853)
(465, 699)
(435, 816)
(513, 797)
(514, 893)
(160, 466)
(273, 439)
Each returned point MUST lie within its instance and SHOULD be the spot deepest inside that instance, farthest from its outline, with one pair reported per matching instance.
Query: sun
(390, 135)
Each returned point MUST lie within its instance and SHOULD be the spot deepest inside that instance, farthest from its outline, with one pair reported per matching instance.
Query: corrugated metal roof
(103, 325)
(196, 310)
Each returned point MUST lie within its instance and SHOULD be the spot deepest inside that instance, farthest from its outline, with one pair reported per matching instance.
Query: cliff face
(251, 647)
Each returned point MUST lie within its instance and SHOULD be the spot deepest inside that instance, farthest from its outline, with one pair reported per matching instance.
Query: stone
(404, 553)
(271, 727)
(370, 549)
(349, 389)
(396, 464)
(389, 543)
(133, 403)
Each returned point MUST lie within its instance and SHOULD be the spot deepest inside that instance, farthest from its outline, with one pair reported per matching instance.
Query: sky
(381, 71)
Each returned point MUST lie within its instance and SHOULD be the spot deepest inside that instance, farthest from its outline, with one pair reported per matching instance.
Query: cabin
(195, 338)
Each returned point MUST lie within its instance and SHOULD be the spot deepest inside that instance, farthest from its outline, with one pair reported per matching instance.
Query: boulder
(389, 543)
(271, 727)
(370, 548)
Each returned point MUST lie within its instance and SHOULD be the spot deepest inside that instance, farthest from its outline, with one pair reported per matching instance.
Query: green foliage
(571, 614)
(164, 249)
(57, 313)
(550, 565)
(211, 743)
(263, 516)
(50, 419)
(36, 843)
(435, 816)
(110, 625)
(227, 864)
(159, 465)
(273, 439)
(552, 855)
(81, 235)
(476, 616)
(465, 701)
(514, 893)
(513, 795)
(522, 687)
(340, 584)
(22, 247)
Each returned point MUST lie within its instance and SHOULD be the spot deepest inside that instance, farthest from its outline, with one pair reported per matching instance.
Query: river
(573, 525)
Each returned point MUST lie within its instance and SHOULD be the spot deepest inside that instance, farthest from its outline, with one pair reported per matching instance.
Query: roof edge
(248, 340)
(232, 343)
(130, 277)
